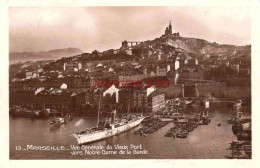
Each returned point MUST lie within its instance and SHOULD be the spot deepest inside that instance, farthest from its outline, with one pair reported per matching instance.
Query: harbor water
(205, 142)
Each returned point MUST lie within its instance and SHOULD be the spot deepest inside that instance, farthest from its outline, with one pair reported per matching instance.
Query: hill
(43, 55)
(199, 46)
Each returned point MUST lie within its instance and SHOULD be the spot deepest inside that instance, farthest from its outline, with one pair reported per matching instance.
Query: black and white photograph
(130, 82)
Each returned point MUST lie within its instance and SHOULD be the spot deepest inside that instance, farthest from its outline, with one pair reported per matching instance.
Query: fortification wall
(206, 90)
(173, 91)
(223, 91)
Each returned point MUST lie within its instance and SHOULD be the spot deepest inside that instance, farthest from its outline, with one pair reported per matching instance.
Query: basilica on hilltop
(168, 31)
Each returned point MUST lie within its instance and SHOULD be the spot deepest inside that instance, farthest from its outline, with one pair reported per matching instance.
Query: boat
(12, 109)
(206, 103)
(236, 127)
(201, 103)
(25, 112)
(232, 120)
(58, 120)
(205, 119)
(185, 132)
(166, 119)
(243, 130)
(44, 113)
(67, 118)
(200, 122)
(110, 128)
(187, 102)
(137, 132)
(237, 104)
(193, 104)
(244, 135)
(181, 135)
(246, 102)
(145, 135)
(169, 134)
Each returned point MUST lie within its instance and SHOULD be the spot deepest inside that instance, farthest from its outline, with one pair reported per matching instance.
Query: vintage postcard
(130, 82)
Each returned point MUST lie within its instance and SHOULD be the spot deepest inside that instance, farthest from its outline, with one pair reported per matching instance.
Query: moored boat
(44, 113)
(232, 120)
(57, 122)
(109, 128)
(181, 135)
(25, 112)
(237, 104)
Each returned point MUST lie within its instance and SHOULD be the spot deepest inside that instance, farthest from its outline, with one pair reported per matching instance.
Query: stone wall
(191, 90)
(223, 91)
(206, 90)
(173, 91)
(239, 81)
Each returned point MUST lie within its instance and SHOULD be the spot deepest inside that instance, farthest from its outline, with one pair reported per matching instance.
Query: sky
(34, 29)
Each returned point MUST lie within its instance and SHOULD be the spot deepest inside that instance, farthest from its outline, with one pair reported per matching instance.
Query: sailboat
(111, 128)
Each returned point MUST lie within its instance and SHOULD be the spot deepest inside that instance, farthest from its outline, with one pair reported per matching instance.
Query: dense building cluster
(67, 83)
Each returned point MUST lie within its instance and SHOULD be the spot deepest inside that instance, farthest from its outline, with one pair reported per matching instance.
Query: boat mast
(44, 104)
(143, 93)
(99, 107)
(62, 108)
(128, 103)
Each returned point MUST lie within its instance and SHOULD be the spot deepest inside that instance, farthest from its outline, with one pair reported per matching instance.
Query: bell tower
(170, 28)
